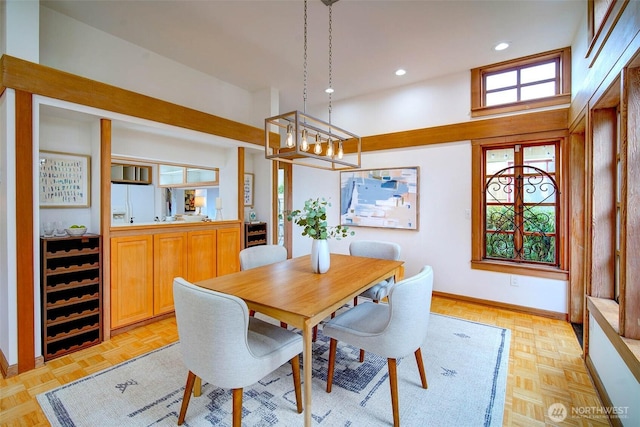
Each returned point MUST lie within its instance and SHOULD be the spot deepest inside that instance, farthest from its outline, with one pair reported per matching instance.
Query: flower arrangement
(313, 218)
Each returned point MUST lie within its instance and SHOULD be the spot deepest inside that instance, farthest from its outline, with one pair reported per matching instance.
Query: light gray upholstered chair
(376, 249)
(221, 344)
(391, 330)
(257, 256)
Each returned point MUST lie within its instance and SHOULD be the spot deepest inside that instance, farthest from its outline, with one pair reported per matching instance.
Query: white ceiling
(259, 44)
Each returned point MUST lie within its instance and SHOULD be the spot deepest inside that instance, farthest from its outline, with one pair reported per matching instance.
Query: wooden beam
(24, 222)
(475, 129)
(39, 79)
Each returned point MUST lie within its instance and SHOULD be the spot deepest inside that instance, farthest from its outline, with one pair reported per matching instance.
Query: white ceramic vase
(320, 258)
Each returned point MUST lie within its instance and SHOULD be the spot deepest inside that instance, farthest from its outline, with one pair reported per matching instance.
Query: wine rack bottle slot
(71, 344)
(75, 278)
(71, 282)
(68, 312)
(71, 263)
(64, 297)
(73, 327)
(62, 247)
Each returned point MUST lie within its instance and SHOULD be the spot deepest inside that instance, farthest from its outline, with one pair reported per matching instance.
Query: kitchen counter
(169, 226)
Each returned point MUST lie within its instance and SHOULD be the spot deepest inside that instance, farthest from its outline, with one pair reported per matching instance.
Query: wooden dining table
(289, 291)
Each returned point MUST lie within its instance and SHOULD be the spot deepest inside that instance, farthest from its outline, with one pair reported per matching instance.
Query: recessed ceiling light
(329, 90)
(501, 46)
(401, 72)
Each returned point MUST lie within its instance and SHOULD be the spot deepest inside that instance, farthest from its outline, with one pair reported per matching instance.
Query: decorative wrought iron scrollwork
(521, 215)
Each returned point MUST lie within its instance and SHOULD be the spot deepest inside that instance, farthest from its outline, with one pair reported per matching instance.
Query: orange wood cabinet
(131, 279)
(144, 265)
(229, 243)
(169, 261)
(202, 255)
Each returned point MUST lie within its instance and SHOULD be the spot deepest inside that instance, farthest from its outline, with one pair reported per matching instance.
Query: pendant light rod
(297, 131)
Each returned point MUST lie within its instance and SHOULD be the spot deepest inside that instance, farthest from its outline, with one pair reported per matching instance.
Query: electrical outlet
(514, 280)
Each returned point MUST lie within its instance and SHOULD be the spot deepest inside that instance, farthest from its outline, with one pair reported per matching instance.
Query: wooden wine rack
(255, 234)
(71, 286)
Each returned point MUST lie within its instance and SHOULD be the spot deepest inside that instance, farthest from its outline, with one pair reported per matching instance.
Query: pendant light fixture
(309, 141)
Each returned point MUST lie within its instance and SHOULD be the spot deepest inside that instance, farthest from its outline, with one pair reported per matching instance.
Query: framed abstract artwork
(384, 198)
(64, 180)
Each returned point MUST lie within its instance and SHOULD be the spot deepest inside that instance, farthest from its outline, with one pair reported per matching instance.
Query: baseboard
(117, 331)
(9, 371)
(506, 306)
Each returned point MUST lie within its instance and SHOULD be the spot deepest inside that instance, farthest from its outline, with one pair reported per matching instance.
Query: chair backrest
(213, 328)
(375, 249)
(257, 256)
(410, 305)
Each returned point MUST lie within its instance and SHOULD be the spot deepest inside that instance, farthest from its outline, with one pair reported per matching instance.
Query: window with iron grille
(521, 204)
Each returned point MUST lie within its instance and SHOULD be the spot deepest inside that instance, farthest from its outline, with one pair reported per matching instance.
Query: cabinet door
(169, 261)
(228, 251)
(202, 255)
(131, 279)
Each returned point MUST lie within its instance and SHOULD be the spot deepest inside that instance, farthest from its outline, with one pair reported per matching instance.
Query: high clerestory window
(531, 82)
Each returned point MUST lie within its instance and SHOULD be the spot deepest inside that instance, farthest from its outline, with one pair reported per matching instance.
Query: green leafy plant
(313, 219)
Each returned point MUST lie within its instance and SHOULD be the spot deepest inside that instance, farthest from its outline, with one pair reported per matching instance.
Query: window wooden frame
(477, 205)
(478, 91)
(605, 152)
(519, 168)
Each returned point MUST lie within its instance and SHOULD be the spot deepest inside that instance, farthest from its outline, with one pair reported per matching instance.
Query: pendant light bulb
(340, 150)
(290, 142)
(304, 145)
(329, 147)
(318, 147)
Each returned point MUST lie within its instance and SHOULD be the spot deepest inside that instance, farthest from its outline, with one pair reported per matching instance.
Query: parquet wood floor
(545, 367)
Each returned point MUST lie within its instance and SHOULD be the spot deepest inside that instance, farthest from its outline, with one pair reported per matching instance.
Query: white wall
(19, 28)
(77, 137)
(440, 101)
(69, 45)
(444, 236)
(8, 297)
(619, 382)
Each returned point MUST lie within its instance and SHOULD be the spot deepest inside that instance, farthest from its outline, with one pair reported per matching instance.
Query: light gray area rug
(466, 365)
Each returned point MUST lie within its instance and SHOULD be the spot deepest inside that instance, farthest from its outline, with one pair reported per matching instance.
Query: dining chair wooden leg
(284, 325)
(237, 407)
(295, 368)
(197, 387)
(423, 375)
(355, 301)
(333, 345)
(191, 377)
(252, 313)
(393, 382)
(315, 333)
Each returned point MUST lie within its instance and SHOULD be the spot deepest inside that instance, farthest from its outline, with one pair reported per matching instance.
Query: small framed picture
(248, 189)
(189, 200)
(64, 180)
